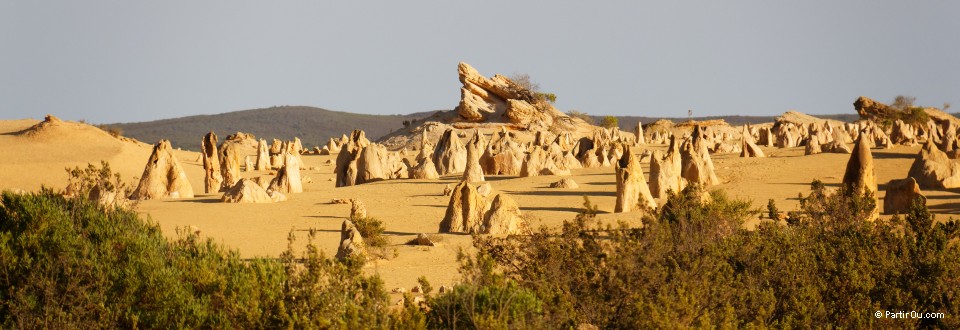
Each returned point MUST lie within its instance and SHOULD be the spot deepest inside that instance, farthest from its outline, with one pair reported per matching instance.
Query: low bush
(692, 265)
(72, 263)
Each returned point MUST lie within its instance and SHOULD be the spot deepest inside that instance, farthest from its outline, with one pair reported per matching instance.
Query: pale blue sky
(109, 61)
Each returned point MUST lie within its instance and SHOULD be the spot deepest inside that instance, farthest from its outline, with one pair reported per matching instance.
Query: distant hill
(629, 122)
(312, 125)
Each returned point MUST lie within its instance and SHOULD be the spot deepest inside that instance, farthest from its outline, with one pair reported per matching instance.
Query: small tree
(609, 122)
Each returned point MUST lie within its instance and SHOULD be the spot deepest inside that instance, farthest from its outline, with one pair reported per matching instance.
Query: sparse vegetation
(523, 80)
(583, 116)
(113, 130)
(904, 109)
(98, 184)
(609, 122)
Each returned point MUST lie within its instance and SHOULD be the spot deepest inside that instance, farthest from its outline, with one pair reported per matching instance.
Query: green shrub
(486, 300)
(371, 229)
(609, 122)
(692, 265)
(71, 263)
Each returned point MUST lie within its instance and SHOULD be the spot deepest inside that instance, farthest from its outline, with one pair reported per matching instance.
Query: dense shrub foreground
(693, 266)
(70, 263)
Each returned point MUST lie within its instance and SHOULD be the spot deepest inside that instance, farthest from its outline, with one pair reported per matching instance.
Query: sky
(124, 61)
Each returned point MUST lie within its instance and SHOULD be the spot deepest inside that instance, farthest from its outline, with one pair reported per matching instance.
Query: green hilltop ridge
(312, 125)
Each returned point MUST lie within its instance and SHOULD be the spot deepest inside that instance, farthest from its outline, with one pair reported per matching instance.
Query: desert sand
(406, 206)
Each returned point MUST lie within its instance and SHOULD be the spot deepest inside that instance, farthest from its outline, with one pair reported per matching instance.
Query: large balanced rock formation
(163, 177)
(351, 242)
(901, 194)
(632, 190)
(229, 165)
(211, 163)
(665, 171)
(484, 98)
(934, 170)
(873, 110)
(246, 191)
(450, 155)
(473, 172)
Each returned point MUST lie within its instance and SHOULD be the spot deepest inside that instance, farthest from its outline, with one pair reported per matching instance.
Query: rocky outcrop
(503, 217)
(229, 165)
(425, 169)
(900, 196)
(502, 156)
(813, 146)
(246, 191)
(860, 177)
(696, 162)
(276, 153)
(534, 163)
(496, 98)
(288, 177)
(263, 156)
(466, 210)
(748, 148)
(665, 171)
(351, 242)
(873, 110)
(632, 190)
(641, 140)
(370, 164)
(932, 169)
(163, 176)
(566, 183)
(211, 163)
(586, 153)
(948, 142)
(902, 133)
(473, 172)
(450, 156)
(358, 210)
(346, 165)
(360, 161)
(836, 147)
